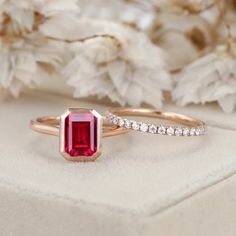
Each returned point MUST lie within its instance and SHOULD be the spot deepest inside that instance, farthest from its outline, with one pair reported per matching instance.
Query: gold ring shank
(51, 125)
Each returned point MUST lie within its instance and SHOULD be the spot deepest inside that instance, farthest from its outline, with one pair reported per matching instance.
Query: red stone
(80, 134)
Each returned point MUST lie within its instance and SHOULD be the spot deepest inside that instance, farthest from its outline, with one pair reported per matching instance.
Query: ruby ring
(80, 131)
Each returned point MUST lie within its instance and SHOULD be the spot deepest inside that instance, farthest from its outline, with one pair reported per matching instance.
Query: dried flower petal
(208, 79)
(128, 70)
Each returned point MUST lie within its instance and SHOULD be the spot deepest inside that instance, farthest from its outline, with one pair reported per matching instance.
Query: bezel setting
(97, 133)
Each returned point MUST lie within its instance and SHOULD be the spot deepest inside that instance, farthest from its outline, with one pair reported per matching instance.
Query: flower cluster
(27, 54)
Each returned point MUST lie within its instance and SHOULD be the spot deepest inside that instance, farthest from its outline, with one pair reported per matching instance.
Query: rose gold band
(188, 126)
(50, 125)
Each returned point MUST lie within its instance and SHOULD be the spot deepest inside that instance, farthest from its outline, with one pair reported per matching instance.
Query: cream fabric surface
(138, 178)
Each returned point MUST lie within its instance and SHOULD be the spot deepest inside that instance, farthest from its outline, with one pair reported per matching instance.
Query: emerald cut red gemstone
(80, 134)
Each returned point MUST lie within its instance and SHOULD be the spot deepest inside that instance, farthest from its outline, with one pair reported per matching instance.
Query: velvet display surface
(138, 175)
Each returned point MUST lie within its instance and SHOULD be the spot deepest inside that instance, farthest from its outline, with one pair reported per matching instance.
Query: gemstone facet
(115, 120)
(161, 130)
(144, 127)
(185, 132)
(152, 129)
(80, 134)
(178, 132)
(135, 125)
(192, 131)
(170, 131)
(121, 122)
(127, 123)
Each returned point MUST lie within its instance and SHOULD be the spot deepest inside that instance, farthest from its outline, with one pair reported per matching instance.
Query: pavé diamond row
(156, 129)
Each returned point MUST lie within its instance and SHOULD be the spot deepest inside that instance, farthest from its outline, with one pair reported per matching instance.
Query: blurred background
(128, 52)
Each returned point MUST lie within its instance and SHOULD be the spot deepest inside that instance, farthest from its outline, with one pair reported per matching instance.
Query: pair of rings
(81, 130)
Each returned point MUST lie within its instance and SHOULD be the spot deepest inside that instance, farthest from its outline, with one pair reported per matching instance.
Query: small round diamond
(143, 127)
(110, 118)
(192, 132)
(198, 131)
(161, 130)
(121, 122)
(186, 132)
(170, 131)
(152, 129)
(135, 125)
(127, 124)
(115, 120)
(178, 132)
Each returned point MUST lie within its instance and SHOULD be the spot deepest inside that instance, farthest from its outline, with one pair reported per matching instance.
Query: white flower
(26, 62)
(26, 53)
(123, 65)
(208, 79)
(183, 37)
